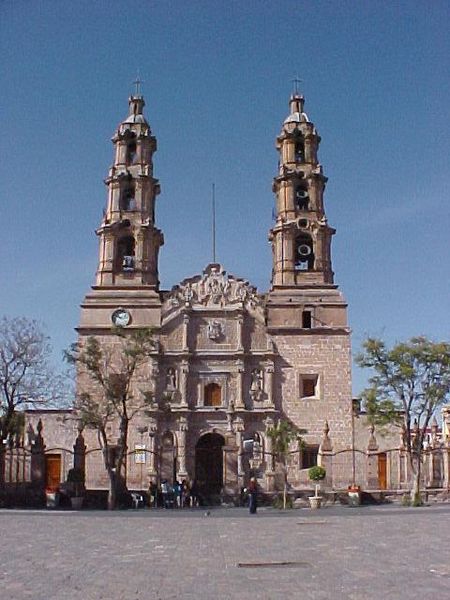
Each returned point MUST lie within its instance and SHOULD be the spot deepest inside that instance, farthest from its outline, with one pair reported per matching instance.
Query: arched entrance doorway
(209, 467)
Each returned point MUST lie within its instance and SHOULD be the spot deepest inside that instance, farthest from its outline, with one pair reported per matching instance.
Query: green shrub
(317, 473)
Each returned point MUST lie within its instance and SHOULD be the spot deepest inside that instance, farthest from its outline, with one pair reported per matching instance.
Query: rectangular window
(309, 456)
(309, 386)
(306, 319)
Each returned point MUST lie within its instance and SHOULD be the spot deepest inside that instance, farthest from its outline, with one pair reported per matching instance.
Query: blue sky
(217, 82)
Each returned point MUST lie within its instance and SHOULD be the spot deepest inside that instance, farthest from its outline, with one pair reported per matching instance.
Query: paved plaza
(379, 552)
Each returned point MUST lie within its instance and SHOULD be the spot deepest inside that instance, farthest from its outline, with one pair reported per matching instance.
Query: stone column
(182, 429)
(38, 458)
(325, 456)
(184, 371)
(372, 460)
(239, 429)
(240, 328)
(79, 451)
(269, 371)
(185, 344)
(240, 405)
(152, 428)
(268, 456)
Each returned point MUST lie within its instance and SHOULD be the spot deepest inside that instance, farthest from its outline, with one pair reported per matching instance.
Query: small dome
(297, 117)
(135, 119)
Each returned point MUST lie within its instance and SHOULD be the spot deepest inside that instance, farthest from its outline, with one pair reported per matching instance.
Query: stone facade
(229, 361)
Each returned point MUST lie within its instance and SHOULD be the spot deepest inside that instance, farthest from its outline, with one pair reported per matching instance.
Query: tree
(26, 377)
(410, 383)
(282, 435)
(108, 393)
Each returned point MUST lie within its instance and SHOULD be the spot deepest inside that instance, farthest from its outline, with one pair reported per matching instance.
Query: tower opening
(299, 149)
(304, 254)
(131, 153)
(127, 198)
(301, 198)
(125, 254)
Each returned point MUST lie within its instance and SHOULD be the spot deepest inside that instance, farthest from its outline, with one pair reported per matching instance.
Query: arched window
(125, 254)
(213, 395)
(304, 253)
(301, 198)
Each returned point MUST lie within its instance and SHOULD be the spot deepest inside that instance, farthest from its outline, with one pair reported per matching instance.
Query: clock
(121, 317)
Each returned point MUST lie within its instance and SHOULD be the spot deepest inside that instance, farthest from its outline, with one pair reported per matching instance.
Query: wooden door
(52, 471)
(382, 471)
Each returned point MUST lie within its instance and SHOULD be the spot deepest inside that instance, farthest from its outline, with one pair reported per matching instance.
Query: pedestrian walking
(252, 494)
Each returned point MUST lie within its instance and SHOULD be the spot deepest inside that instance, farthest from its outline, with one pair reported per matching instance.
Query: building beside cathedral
(229, 360)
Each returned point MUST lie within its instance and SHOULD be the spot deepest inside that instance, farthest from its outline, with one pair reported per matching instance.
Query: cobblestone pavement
(383, 553)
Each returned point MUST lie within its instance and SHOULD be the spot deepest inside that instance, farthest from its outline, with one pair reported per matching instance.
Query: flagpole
(214, 222)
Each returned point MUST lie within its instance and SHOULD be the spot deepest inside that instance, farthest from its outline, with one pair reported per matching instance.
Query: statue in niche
(215, 330)
(256, 386)
(171, 379)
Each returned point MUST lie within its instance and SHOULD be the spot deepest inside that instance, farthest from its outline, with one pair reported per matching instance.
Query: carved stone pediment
(213, 289)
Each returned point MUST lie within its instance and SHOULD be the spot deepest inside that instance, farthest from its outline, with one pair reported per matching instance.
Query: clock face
(121, 317)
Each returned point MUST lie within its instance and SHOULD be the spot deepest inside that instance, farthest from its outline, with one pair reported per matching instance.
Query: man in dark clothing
(252, 493)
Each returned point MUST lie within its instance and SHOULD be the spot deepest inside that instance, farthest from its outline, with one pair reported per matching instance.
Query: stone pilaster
(182, 430)
(185, 343)
(240, 329)
(239, 430)
(152, 430)
(240, 405)
(184, 371)
(268, 456)
(269, 374)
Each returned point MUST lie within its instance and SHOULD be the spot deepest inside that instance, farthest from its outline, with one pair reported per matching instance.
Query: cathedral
(229, 360)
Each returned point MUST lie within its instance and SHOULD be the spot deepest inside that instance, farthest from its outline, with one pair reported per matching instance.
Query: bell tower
(129, 241)
(302, 275)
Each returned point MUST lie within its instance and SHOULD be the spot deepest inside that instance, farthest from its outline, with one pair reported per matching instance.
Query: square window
(309, 456)
(309, 386)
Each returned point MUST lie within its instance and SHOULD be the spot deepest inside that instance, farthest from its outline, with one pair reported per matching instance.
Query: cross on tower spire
(296, 81)
(137, 82)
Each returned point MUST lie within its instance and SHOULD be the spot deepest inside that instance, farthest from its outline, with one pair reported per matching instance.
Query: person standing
(252, 494)
(165, 493)
(153, 493)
